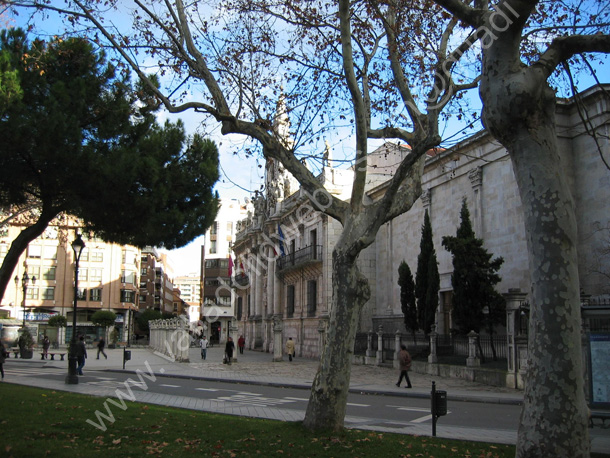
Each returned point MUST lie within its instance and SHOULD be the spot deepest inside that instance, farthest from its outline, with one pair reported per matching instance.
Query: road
(400, 411)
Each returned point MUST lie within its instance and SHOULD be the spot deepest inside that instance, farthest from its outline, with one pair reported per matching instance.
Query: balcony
(307, 255)
(242, 279)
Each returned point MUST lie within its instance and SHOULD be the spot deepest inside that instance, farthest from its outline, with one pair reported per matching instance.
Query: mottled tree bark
(328, 399)
(519, 110)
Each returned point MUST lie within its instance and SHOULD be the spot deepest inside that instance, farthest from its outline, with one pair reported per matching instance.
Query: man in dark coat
(81, 354)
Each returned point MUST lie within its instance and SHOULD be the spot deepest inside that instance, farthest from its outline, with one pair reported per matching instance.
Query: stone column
(476, 181)
(278, 327)
(514, 300)
(380, 345)
(397, 337)
(432, 357)
(472, 360)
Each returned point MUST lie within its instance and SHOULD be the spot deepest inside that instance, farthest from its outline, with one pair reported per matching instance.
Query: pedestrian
(46, 343)
(203, 343)
(229, 348)
(3, 355)
(241, 343)
(100, 348)
(81, 354)
(404, 358)
(290, 348)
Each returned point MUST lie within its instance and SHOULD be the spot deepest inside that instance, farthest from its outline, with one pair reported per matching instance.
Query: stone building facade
(284, 283)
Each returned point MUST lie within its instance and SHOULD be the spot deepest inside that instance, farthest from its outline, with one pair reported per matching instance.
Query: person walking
(81, 354)
(241, 343)
(229, 348)
(3, 354)
(290, 348)
(46, 343)
(100, 348)
(203, 343)
(404, 358)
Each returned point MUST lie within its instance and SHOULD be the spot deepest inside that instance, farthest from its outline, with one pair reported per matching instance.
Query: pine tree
(407, 297)
(476, 304)
(81, 140)
(426, 278)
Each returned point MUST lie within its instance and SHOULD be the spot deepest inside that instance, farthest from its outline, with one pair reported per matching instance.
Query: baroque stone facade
(288, 279)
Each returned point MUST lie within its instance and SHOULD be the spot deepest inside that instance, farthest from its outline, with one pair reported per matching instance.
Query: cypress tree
(426, 288)
(407, 297)
(476, 304)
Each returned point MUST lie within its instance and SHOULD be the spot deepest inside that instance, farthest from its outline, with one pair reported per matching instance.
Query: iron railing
(300, 257)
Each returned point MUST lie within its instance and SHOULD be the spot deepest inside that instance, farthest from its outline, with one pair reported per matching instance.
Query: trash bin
(127, 356)
(440, 403)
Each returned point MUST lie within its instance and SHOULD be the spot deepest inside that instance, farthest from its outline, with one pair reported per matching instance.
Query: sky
(240, 176)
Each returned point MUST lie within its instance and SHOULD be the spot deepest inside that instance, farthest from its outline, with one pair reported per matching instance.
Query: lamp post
(24, 287)
(72, 378)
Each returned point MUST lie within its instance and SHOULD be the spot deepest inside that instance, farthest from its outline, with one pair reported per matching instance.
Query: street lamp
(24, 286)
(72, 378)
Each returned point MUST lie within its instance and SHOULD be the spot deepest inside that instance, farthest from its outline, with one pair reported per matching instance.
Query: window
(34, 251)
(128, 296)
(48, 273)
(97, 256)
(95, 275)
(95, 294)
(214, 228)
(50, 252)
(142, 298)
(289, 301)
(212, 283)
(33, 271)
(81, 294)
(313, 241)
(144, 271)
(83, 274)
(312, 297)
(3, 250)
(230, 228)
(212, 246)
(48, 293)
(239, 308)
(84, 255)
(128, 277)
(31, 292)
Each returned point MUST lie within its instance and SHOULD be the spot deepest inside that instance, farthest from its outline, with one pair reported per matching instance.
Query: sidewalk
(257, 368)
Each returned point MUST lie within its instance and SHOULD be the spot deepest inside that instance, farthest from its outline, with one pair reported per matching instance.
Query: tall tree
(524, 43)
(334, 65)
(408, 304)
(474, 276)
(80, 141)
(427, 280)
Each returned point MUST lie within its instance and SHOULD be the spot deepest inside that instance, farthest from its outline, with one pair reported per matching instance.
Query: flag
(230, 266)
(281, 234)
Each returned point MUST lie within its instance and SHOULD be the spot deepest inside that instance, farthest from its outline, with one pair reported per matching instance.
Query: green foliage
(407, 297)
(146, 316)
(103, 318)
(25, 340)
(10, 90)
(149, 429)
(58, 321)
(81, 140)
(473, 280)
(114, 336)
(427, 279)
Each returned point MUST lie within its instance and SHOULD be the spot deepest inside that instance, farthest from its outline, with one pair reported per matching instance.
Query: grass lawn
(36, 423)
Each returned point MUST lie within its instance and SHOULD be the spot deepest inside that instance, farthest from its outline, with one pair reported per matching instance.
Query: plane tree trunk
(519, 110)
(328, 400)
